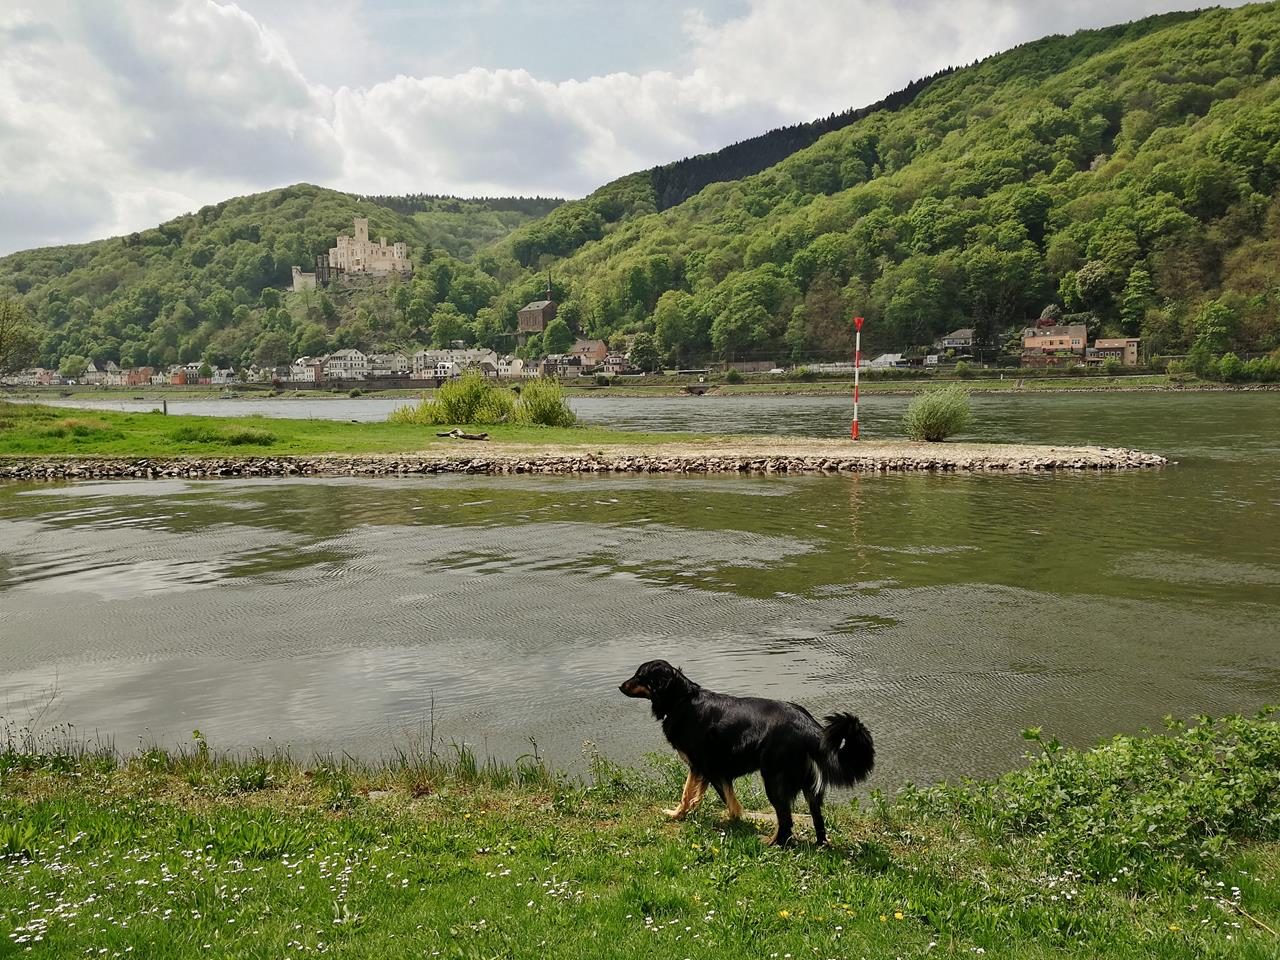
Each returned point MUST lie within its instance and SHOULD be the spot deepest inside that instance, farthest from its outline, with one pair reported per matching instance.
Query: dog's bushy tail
(847, 751)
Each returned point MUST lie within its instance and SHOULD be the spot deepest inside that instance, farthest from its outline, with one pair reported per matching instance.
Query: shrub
(236, 436)
(1230, 368)
(542, 402)
(76, 427)
(355, 392)
(195, 433)
(602, 380)
(473, 399)
(1141, 808)
(963, 370)
(733, 376)
(804, 375)
(1110, 366)
(937, 414)
(242, 436)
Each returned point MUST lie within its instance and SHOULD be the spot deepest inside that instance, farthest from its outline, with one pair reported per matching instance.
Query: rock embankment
(937, 458)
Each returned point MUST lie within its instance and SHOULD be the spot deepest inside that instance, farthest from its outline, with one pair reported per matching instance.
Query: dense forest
(1127, 178)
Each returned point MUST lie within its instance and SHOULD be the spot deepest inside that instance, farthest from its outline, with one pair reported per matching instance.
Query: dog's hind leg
(732, 807)
(690, 797)
(780, 794)
(814, 799)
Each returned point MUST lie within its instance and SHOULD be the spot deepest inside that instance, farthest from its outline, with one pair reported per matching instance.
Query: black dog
(722, 738)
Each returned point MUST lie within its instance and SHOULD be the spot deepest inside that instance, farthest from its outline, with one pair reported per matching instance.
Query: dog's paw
(676, 814)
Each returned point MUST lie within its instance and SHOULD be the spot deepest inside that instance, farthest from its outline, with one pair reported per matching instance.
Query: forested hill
(207, 285)
(1126, 176)
(674, 183)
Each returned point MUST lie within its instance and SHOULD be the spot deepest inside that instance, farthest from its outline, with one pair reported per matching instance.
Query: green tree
(675, 325)
(311, 340)
(19, 344)
(447, 324)
(557, 338)
(644, 353)
(272, 350)
(72, 367)
(1137, 299)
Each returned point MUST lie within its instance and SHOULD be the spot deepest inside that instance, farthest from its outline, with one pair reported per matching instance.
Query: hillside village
(1045, 343)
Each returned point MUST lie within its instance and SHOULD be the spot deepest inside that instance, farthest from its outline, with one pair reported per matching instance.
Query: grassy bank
(30, 429)
(1145, 847)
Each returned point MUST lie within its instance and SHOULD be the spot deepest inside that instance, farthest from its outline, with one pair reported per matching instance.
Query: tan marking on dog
(731, 802)
(690, 797)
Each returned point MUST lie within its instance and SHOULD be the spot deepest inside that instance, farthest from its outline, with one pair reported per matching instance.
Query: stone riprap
(766, 456)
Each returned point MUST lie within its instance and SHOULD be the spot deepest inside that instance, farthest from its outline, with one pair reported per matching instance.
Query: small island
(44, 443)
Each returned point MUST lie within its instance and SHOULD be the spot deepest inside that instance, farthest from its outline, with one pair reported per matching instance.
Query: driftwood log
(459, 435)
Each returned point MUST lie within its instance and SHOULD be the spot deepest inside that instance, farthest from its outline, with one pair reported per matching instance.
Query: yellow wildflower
(784, 914)
(897, 914)
(884, 918)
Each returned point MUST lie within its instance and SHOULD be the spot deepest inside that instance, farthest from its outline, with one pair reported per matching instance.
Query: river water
(948, 611)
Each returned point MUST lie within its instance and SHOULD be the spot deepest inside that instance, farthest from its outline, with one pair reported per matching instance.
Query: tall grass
(474, 399)
(938, 414)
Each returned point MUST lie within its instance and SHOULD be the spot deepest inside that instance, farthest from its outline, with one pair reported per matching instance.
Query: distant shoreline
(821, 388)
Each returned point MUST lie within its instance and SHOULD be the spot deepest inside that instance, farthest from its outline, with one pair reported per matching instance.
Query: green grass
(28, 429)
(180, 854)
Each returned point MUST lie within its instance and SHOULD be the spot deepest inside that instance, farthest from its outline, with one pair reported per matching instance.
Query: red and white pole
(857, 366)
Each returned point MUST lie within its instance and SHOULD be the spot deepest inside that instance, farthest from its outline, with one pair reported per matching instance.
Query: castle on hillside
(356, 255)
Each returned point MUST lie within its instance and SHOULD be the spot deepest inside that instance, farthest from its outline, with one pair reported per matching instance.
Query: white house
(425, 361)
(614, 364)
(510, 366)
(389, 365)
(349, 364)
(306, 369)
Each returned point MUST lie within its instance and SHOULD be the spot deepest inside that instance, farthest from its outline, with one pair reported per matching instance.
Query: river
(948, 611)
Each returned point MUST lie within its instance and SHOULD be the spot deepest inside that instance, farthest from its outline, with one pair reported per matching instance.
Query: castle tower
(362, 229)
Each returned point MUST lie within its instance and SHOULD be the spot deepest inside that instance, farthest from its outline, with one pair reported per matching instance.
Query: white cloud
(114, 117)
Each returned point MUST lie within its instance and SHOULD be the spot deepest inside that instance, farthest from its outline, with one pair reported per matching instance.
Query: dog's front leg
(690, 797)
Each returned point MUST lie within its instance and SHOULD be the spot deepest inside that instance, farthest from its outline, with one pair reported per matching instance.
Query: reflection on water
(948, 611)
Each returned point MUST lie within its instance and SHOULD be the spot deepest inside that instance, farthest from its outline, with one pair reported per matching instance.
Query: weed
(938, 414)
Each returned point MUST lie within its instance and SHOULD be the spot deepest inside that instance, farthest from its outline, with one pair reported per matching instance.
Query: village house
(349, 364)
(592, 352)
(138, 376)
(563, 365)
(961, 339)
(93, 375)
(1124, 349)
(510, 367)
(426, 362)
(614, 364)
(1054, 346)
(307, 370)
(389, 365)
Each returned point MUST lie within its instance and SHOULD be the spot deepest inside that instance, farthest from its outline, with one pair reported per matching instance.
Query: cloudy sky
(117, 114)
